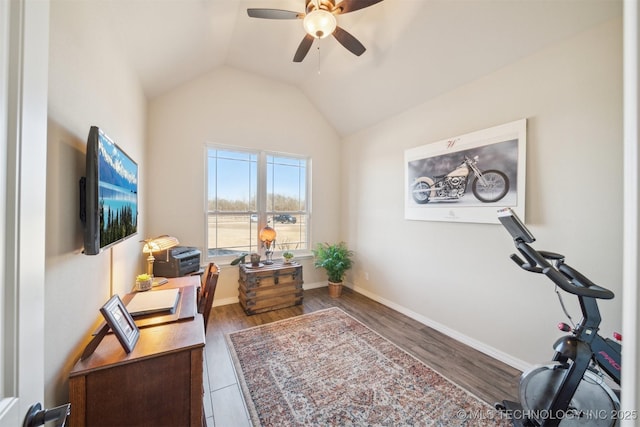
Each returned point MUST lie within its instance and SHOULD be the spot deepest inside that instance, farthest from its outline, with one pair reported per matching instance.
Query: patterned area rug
(328, 369)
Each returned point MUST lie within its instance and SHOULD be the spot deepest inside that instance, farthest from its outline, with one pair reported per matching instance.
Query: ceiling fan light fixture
(320, 23)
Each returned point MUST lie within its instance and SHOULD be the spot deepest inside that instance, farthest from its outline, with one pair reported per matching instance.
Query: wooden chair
(203, 285)
(208, 290)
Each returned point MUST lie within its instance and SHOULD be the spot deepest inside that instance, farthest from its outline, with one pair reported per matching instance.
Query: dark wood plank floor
(478, 373)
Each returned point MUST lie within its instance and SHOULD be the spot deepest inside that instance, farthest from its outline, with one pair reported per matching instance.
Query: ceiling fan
(319, 22)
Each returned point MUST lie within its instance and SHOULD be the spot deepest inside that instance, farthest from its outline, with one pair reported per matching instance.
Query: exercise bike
(571, 390)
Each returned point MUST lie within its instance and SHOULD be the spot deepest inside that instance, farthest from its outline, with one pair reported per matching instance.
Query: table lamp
(268, 236)
(160, 243)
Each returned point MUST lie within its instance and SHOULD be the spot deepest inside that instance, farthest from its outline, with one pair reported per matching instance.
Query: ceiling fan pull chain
(318, 58)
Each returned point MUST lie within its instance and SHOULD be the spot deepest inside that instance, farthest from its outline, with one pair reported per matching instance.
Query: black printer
(177, 261)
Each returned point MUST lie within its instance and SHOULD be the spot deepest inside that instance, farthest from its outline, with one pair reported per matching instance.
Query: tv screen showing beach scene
(117, 193)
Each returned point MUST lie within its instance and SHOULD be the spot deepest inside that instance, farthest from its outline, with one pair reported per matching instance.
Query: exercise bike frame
(581, 347)
(584, 344)
(606, 352)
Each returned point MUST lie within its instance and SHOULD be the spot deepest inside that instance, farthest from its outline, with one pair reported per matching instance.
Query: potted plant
(336, 260)
(288, 256)
(144, 282)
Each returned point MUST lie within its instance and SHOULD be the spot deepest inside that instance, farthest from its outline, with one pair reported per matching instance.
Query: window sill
(306, 255)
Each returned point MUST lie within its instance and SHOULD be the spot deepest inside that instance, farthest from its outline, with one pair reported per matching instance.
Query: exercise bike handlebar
(566, 277)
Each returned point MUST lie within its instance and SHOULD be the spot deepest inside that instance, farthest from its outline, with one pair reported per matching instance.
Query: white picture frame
(443, 173)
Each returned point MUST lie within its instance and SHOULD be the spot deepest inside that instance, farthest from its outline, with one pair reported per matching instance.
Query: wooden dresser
(270, 287)
(160, 383)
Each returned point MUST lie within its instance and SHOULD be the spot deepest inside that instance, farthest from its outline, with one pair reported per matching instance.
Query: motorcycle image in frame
(488, 186)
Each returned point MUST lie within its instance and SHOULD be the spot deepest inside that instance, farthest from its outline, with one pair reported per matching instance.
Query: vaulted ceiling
(416, 49)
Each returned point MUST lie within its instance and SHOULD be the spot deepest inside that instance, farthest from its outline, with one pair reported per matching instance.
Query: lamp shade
(267, 234)
(319, 23)
(159, 243)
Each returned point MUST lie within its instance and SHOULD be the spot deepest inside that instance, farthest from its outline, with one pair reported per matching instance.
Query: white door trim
(631, 226)
(24, 147)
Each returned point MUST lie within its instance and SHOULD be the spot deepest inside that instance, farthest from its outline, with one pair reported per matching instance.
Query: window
(247, 190)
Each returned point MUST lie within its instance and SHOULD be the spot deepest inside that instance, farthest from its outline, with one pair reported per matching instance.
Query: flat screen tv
(108, 194)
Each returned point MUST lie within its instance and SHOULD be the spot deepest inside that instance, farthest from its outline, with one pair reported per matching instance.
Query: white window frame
(261, 199)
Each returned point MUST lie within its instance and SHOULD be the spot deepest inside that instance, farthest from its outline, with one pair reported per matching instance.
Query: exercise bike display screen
(515, 226)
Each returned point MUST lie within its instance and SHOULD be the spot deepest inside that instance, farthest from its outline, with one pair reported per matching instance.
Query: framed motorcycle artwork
(467, 178)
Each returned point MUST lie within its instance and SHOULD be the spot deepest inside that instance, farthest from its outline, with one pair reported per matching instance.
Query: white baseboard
(471, 342)
(225, 301)
(314, 285)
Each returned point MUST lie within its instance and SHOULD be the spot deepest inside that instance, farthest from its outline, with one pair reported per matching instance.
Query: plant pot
(144, 285)
(255, 259)
(335, 289)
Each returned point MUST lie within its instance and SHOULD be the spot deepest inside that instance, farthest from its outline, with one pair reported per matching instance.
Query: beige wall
(458, 277)
(231, 107)
(454, 276)
(89, 84)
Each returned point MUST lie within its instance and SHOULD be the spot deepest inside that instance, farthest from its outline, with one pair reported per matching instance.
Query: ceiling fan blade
(347, 40)
(274, 14)
(347, 6)
(303, 48)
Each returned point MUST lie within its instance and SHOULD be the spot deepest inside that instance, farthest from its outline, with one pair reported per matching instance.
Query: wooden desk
(158, 384)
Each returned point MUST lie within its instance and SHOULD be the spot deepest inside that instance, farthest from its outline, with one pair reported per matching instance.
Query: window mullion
(261, 197)
(269, 173)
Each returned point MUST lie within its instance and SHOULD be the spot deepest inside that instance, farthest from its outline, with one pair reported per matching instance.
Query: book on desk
(158, 301)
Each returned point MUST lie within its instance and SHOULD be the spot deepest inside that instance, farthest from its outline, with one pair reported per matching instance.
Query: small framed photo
(121, 322)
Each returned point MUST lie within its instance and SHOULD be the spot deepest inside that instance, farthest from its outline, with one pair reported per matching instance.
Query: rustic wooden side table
(270, 287)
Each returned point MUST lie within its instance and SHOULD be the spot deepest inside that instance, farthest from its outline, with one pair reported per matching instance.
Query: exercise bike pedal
(515, 413)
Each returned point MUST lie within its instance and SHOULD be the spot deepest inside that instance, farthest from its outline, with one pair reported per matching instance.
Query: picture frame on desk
(121, 322)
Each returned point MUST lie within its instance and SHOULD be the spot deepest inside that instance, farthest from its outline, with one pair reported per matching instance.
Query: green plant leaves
(336, 259)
